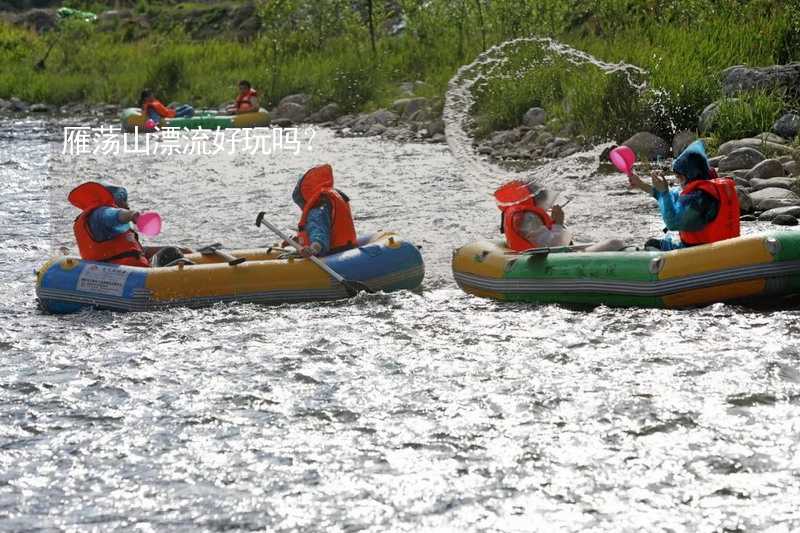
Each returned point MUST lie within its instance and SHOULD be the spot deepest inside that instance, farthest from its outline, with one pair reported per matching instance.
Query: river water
(430, 411)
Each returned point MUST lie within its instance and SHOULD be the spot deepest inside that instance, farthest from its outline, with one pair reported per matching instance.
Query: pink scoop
(623, 158)
(149, 223)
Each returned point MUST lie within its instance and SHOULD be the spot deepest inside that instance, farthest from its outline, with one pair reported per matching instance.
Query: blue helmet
(120, 194)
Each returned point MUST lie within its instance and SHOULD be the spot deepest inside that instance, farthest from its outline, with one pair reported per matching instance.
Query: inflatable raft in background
(383, 262)
(133, 118)
(755, 269)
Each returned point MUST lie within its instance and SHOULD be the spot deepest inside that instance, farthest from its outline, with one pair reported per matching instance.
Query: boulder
(649, 146)
(421, 115)
(741, 182)
(788, 126)
(327, 113)
(784, 220)
(745, 201)
(773, 197)
(772, 213)
(280, 122)
(792, 168)
(301, 99)
(405, 107)
(505, 137)
(765, 147)
(681, 140)
(741, 158)
(383, 117)
(290, 111)
(375, 130)
(435, 127)
(771, 138)
(782, 183)
(714, 161)
(741, 173)
(17, 105)
(747, 218)
(709, 114)
(40, 108)
(345, 121)
(740, 78)
(38, 20)
(769, 168)
(535, 116)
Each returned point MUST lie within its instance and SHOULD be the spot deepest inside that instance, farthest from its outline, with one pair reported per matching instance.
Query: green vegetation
(324, 48)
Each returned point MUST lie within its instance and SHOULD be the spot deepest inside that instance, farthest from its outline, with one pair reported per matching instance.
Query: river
(429, 411)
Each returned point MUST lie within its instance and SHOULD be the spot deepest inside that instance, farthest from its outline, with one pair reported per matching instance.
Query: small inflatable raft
(383, 262)
(752, 269)
(133, 118)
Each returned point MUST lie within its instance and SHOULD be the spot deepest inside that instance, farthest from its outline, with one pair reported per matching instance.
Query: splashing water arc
(459, 100)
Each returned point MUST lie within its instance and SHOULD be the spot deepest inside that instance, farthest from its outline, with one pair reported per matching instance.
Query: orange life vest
(726, 224)
(159, 108)
(315, 185)
(514, 198)
(245, 99)
(124, 249)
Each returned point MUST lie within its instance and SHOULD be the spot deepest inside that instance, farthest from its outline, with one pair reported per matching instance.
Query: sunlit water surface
(403, 412)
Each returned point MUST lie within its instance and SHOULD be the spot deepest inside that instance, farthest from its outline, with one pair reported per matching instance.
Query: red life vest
(161, 109)
(726, 224)
(243, 99)
(124, 249)
(315, 185)
(514, 198)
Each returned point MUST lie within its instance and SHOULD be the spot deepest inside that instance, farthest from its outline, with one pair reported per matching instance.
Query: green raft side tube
(132, 118)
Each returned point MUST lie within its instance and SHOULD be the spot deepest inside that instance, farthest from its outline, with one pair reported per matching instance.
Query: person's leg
(611, 245)
(184, 111)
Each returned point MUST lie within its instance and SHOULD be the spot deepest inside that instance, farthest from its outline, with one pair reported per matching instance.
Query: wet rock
(345, 121)
(681, 140)
(438, 138)
(784, 220)
(40, 108)
(649, 146)
(535, 116)
(768, 148)
(773, 197)
(769, 168)
(772, 213)
(792, 168)
(714, 161)
(4, 104)
(740, 78)
(710, 113)
(436, 127)
(18, 106)
(375, 130)
(405, 107)
(788, 126)
(383, 117)
(781, 183)
(748, 218)
(291, 111)
(281, 122)
(741, 158)
(745, 201)
(327, 113)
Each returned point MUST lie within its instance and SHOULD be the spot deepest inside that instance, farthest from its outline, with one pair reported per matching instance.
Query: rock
(438, 138)
(327, 113)
(301, 99)
(17, 105)
(290, 111)
(435, 127)
(421, 115)
(792, 168)
(772, 213)
(784, 220)
(405, 107)
(649, 146)
(747, 218)
(38, 20)
(40, 108)
(788, 126)
(383, 117)
(765, 147)
(741, 158)
(741, 182)
(741, 173)
(773, 197)
(740, 78)
(714, 161)
(505, 137)
(345, 121)
(375, 130)
(745, 201)
(770, 138)
(280, 122)
(769, 168)
(535, 116)
(782, 183)
(681, 140)
(709, 115)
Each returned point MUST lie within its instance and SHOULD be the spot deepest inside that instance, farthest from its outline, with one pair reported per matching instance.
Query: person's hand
(660, 182)
(558, 214)
(635, 182)
(314, 249)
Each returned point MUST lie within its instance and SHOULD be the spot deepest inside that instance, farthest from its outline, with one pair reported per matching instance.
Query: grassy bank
(326, 49)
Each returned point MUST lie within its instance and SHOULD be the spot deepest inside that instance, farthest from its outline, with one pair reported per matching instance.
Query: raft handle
(656, 265)
(772, 245)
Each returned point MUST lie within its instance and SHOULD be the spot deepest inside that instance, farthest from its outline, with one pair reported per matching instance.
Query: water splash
(481, 173)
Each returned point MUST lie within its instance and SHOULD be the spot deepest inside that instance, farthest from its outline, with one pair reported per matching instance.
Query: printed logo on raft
(111, 140)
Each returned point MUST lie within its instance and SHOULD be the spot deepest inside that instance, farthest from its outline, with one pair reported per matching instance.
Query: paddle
(352, 287)
(545, 250)
(214, 249)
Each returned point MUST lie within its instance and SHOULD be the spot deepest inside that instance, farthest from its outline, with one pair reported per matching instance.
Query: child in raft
(154, 110)
(703, 209)
(246, 101)
(526, 223)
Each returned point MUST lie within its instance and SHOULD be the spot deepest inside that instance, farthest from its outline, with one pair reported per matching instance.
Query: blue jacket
(684, 212)
(104, 224)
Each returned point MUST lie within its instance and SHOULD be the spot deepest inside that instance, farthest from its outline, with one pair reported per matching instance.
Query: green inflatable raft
(753, 269)
(132, 118)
